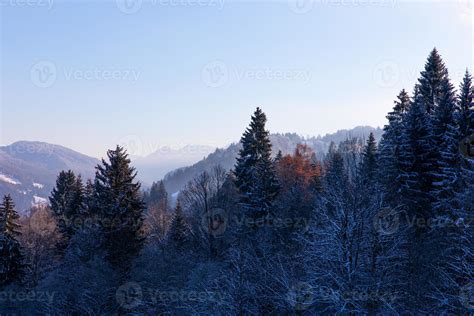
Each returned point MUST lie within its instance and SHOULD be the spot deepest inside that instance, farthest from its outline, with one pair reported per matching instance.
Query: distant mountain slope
(164, 159)
(28, 170)
(177, 179)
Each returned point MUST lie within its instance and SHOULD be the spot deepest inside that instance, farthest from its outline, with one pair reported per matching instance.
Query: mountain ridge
(285, 142)
(28, 169)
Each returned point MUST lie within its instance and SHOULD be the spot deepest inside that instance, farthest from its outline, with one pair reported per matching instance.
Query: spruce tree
(67, 202)
(158, 196)
(254, 170)
(416, 158)
(462, 254)
(389, 149)
(179, 234)
(119, 207)
(430, 81)
(465, 109)
(369, 162)
(446, 172)
(12, 262)
(417, 161)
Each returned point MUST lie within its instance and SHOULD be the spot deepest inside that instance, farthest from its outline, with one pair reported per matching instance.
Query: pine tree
(278, 157)
(119, 207)
(254, 170)
(430, 82)
(461, 251)
(389, 149)
(158, 196)
(417, 161)
(179, 234)
(67, 202)
(416, 158)
(465, 109)
(369, 162)
(12, 262)
(448, 159)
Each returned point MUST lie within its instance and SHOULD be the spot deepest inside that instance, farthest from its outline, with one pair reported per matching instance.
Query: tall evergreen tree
(12, 262)
(254, 170)
(417, 164)
(369, 161)
(179, 234)
(67, 202)
(389, 149)
(158, 196)
(448, 158)
(465, 108)
(430, 82)
(119, 207)
(461, 254)
(416, 158)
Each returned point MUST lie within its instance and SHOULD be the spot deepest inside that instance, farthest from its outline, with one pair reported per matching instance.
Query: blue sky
(90, 74)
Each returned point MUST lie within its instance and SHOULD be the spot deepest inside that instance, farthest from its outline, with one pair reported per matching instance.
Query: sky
(91, 74)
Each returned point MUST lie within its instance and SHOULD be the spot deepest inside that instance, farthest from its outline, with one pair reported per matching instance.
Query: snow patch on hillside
(38, 185)
(9, 180)
(37, 200)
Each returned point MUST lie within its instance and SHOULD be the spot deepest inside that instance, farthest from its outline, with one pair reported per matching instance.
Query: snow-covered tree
(66, 201)
(119, 207)
(12, 261)
(254, 170)
(389, 149)
(431, 81)
(179, 234)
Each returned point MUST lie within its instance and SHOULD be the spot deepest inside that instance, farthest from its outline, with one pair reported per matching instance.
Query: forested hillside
(286, 143)
(374, 227)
